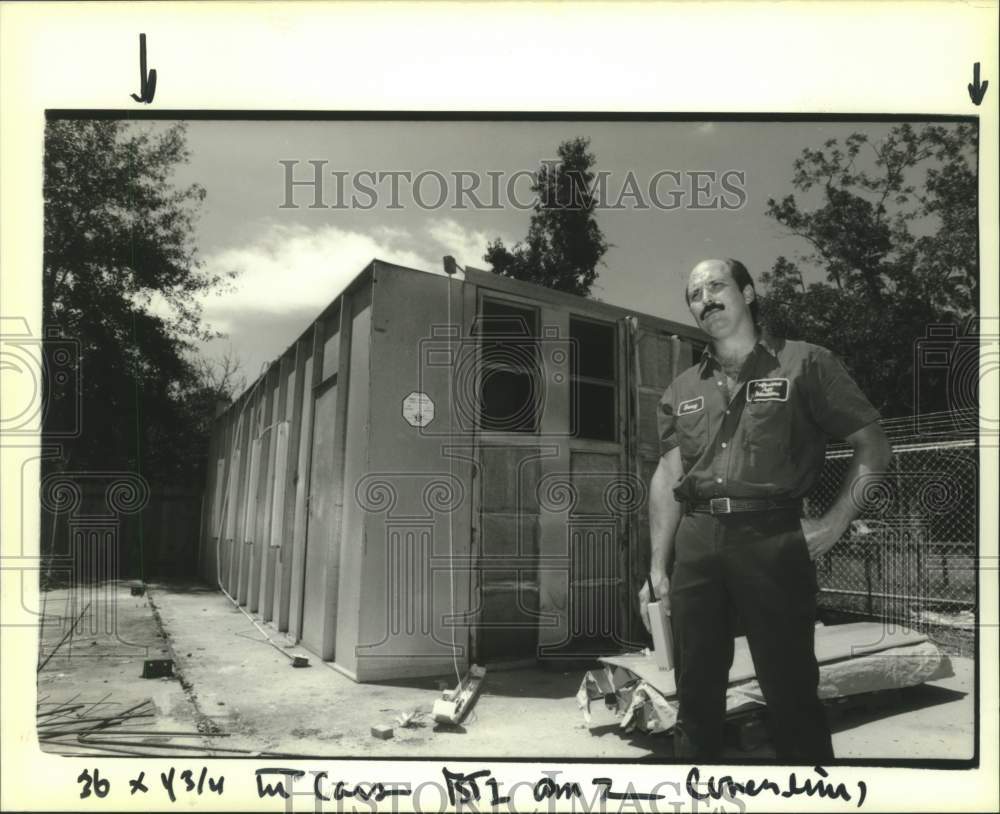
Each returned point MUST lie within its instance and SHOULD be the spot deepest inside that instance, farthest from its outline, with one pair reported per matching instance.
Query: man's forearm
(663, 523)
(872, 456)
(664, 513)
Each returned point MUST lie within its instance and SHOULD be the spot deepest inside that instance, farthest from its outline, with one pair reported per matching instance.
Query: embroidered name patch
(690, 406)
(767, 390)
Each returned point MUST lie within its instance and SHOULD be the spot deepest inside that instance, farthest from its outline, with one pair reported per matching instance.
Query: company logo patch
(690, 406)
(767, 390)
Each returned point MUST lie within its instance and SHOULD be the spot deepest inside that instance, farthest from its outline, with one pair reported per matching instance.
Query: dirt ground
(234, 694)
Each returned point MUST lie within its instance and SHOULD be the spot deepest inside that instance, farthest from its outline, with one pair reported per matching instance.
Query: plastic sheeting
(637, 705)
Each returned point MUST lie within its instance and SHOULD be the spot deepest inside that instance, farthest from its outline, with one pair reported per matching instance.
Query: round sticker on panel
(418, 409)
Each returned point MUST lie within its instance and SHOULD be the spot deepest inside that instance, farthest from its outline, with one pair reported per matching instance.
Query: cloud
(388, 234)
(466, 245)
(292, 267)
(291, 272)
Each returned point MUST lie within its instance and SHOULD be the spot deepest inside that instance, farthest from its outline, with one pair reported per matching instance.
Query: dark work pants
(757, 566)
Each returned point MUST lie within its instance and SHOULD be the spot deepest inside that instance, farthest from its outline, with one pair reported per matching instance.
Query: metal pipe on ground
(62, 641)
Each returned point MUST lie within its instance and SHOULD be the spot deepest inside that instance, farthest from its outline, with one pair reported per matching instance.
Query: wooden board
(833, 643)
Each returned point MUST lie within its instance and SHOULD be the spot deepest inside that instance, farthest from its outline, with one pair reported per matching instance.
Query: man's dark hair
(742, 279)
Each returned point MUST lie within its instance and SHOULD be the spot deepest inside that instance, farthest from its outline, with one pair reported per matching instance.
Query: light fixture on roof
(451, 267)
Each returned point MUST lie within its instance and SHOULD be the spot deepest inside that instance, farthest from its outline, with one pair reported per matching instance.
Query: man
(742, 437)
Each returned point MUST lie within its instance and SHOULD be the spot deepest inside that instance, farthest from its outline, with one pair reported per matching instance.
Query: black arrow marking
(976, 90)
(147, 80)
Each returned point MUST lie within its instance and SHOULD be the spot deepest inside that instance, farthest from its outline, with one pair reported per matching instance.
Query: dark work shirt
(798, 396)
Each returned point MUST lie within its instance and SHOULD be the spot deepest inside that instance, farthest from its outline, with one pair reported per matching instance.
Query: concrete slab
(100, 666)
(933, 720)
(249, 690)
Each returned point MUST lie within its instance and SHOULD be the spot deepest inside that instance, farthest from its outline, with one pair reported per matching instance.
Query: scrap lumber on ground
(453, 705)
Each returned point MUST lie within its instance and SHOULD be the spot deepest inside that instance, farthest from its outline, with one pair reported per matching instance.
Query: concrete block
(157, 668)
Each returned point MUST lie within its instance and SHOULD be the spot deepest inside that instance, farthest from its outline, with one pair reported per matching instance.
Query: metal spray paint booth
(445, 469)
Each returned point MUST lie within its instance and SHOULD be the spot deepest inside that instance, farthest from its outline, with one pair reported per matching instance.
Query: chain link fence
(910, 559)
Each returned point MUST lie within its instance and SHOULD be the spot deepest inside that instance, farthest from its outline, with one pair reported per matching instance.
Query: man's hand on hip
(661, 585)
(820, 535)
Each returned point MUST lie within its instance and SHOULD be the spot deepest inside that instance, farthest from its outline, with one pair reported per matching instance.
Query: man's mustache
(711, 309)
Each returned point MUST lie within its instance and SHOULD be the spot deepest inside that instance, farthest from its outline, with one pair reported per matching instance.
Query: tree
(120, 280)
(564, 244)
(894, 237)
(222, 377)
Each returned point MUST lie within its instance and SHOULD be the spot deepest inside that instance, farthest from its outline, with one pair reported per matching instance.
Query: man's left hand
(820, 536)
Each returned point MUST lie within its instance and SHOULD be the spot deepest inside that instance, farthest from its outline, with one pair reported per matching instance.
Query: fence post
(868, 577)
(922, 581)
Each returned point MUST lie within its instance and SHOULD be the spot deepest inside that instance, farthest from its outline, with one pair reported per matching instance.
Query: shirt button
(727, 412)
(718, 480)
(723, 444)
(719, 383)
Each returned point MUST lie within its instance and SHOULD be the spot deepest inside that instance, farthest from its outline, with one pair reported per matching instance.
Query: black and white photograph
(570, 458)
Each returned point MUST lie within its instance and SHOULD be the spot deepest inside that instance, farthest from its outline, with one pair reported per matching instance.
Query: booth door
(322, 535)
(566, 445)
(654, 358)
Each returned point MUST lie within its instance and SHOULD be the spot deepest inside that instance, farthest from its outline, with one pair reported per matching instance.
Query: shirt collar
(764, 341)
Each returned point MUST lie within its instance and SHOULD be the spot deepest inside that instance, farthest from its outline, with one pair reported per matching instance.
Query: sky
(292, 261)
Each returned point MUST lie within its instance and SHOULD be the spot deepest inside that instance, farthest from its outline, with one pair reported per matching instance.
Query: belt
(738, 505)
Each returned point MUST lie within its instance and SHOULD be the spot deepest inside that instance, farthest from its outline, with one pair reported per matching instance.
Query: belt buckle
(719, 505)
